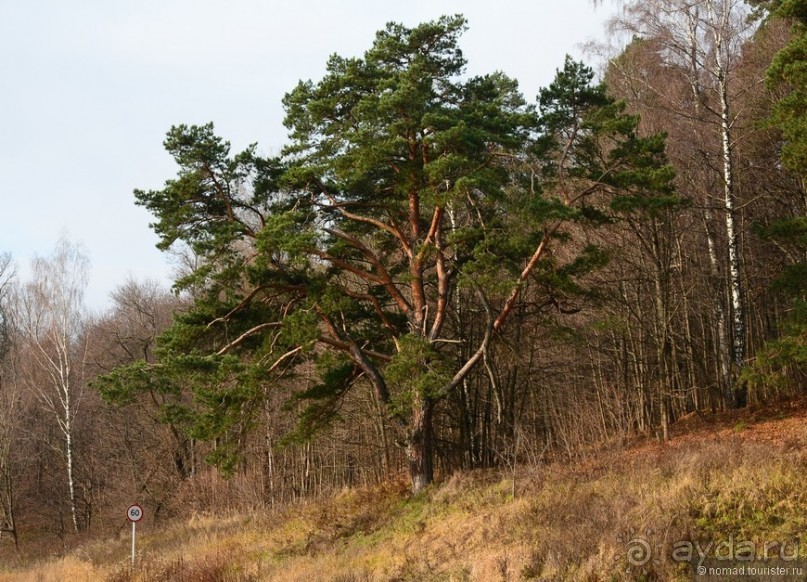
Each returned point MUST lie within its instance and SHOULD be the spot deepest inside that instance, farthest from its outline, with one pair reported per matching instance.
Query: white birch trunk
(68, 435)
(51, 316)
(733, 242)
(703, 38)
(732, 236)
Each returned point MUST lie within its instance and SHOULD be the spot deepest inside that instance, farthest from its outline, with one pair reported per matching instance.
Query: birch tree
(701, 41)
(51, 317)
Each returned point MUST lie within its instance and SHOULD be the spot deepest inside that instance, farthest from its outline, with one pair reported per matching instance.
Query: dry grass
(68, 568)
(566, 522)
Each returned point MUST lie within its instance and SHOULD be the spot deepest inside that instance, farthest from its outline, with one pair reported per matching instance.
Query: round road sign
(134, 513)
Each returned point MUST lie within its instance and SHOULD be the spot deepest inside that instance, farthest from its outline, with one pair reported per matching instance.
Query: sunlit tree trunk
(419, 443)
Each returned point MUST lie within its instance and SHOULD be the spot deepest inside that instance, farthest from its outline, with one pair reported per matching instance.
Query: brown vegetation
(732, 476)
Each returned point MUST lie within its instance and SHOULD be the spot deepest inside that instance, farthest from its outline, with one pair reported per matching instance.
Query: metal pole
(134, 526)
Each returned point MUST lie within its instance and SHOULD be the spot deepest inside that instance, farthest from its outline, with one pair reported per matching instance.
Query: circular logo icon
(639, 552)
(134, 513)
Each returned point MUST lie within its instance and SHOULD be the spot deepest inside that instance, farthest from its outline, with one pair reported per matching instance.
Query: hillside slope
(736, 479)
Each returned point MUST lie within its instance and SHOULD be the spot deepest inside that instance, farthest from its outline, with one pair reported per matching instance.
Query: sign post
(134, 514)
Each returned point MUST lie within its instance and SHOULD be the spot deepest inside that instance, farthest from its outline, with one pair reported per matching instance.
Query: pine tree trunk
(419, 443)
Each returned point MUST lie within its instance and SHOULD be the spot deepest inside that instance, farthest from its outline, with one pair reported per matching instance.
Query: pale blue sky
(89, 88)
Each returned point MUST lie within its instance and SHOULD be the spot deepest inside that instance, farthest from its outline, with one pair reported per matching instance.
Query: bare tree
(51, 317)
(700, 41)
(141, 311)
(9, 401)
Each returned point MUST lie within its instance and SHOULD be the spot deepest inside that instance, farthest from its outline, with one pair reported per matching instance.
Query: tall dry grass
(565, 522)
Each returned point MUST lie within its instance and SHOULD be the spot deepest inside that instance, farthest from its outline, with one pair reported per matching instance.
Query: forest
(438, 274)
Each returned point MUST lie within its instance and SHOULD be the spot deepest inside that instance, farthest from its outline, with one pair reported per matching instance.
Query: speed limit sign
(134, 513)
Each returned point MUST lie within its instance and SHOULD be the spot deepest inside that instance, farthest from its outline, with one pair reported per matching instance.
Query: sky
(88, 89)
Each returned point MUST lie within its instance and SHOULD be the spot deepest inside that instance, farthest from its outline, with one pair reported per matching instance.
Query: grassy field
(736, 480)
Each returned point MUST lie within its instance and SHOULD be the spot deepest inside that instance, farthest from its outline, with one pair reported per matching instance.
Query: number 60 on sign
(134, 513)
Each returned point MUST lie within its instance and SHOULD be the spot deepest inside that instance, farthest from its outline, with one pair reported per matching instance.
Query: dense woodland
(438, 274)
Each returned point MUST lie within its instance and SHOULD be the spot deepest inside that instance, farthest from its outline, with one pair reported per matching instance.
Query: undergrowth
(578, 521)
